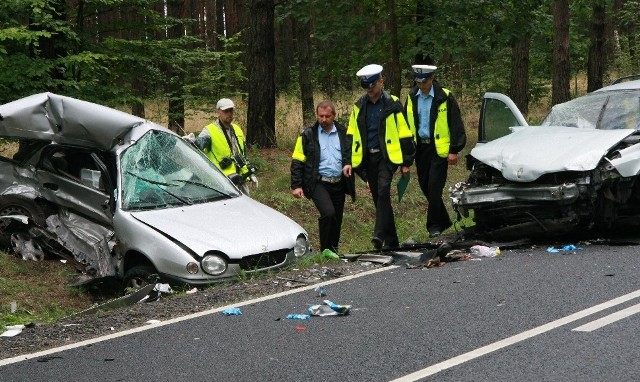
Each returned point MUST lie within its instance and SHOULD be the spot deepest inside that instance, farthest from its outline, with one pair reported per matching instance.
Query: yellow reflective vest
(220, 148)
(393, 130)
(441, 133)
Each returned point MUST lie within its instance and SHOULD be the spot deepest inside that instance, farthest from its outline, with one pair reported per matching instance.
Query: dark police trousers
(432, 176)
(329, 200)
(379, 176)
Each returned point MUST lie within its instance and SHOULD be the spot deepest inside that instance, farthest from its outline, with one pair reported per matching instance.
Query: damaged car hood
(65, 120)
(213, 226)
(530, 152)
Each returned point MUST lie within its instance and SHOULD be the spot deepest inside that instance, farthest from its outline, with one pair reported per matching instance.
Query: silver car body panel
(196, 225)
(530, 152)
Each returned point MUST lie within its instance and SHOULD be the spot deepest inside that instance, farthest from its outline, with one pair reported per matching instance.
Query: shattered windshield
(600, 110)
(162, 170)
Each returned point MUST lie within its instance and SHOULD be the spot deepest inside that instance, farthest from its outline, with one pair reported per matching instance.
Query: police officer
(316, 172)
(381, 141)
(223, 142)
(435, 120)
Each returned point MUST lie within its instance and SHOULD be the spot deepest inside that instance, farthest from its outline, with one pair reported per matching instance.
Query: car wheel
(15, 205)
(138, 276)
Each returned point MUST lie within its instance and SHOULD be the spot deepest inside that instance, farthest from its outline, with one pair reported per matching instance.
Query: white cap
(224, 104)
(369, 74)
(422, 72)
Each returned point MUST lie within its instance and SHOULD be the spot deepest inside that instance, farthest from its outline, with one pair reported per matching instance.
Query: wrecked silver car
(579, 170)
(120, 196)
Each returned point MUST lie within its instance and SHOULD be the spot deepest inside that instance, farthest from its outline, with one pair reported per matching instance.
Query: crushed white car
(579, 170)
(122, 197)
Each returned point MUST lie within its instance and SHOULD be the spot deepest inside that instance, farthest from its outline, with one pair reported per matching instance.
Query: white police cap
(422, 72)
(224, 104)
(369, 74)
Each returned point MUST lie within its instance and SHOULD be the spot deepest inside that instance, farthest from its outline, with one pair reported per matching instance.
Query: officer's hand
(297, 192)
(453, 158)
(346, 170)
(404, 170)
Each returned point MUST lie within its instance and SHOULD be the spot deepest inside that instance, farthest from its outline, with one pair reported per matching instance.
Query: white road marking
(447, 364)
(617, 316)
(24, 357)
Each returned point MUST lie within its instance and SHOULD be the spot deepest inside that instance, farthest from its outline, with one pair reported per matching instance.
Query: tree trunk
(597, 62)
(305, 58)
(261, 117)
(175, 9)
(561, 74)
(396, 71)
(519, 89)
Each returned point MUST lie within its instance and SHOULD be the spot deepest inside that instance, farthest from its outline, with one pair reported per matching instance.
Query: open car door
(497, 116)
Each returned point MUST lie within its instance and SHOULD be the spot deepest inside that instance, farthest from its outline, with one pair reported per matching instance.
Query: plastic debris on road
(232, 312)
(566, 248)
(321, 290)
(298, 317)
(329, 308)
(484, 251)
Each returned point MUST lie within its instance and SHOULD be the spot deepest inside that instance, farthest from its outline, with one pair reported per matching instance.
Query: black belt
(425, 141)
(330, 179)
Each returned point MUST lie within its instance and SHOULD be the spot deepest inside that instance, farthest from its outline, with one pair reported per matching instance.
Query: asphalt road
(527, 315)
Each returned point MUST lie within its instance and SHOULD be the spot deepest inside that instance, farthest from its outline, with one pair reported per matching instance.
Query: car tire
(16, 205)
(138, 276)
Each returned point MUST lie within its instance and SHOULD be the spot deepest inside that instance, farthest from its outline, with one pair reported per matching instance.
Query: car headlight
(214, 264)
(302, 245)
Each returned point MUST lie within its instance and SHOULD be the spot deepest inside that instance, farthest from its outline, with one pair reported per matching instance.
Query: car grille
(263, 260)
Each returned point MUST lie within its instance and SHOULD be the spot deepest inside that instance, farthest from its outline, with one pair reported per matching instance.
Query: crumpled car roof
(65, 120)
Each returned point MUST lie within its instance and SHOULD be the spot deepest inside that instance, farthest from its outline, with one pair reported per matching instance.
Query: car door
(497, 116)
(76, 178)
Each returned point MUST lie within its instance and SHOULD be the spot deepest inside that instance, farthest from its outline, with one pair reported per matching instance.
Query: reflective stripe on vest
(298, 152)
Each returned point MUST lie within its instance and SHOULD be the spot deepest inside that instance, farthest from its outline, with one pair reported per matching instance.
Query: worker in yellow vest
(435, 120)
(223, 142)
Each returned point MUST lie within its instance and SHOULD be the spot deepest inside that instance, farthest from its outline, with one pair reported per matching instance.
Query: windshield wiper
(203, 185)
(158, 183)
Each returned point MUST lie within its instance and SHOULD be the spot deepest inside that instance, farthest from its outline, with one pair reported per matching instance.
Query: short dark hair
(324, 104)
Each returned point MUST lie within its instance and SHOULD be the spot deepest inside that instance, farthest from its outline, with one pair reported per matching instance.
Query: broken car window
(162, 170)
(605, 111)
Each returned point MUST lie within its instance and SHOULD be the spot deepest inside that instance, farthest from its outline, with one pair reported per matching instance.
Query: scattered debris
(12, 330)
(298, 317)
(484, 251)
(191, 291)
(329, 254)
(329, 308)
(14, 306)
(566, 248)
(321, 290)
(232, 312)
